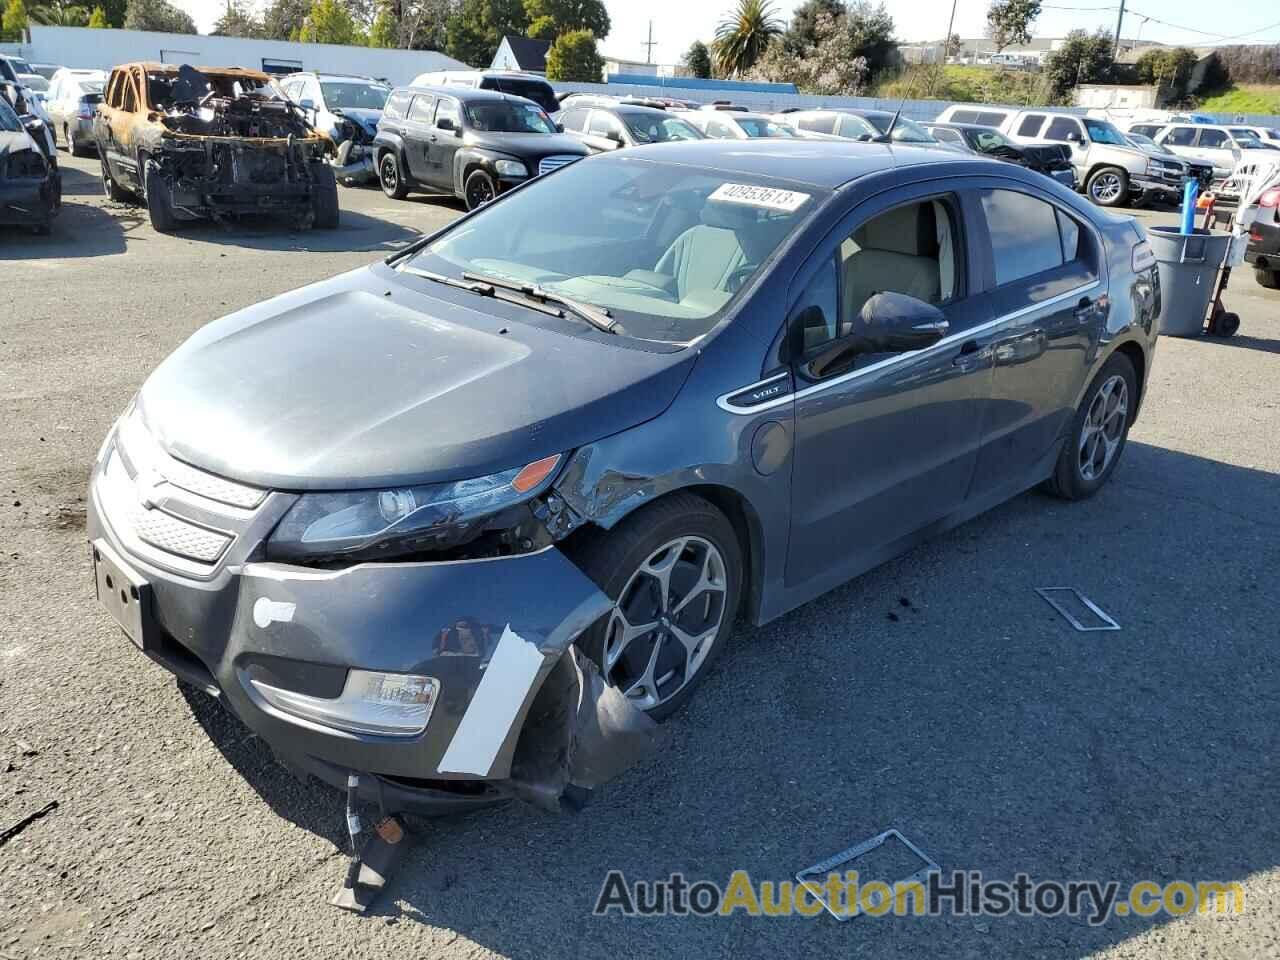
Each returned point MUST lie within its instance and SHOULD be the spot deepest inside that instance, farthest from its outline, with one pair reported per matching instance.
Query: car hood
(15, 142)
(375, 378)
(367, 117)
(526, 144)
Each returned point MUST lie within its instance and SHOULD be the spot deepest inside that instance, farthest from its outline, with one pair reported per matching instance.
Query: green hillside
(971, 84)
(1246, 98)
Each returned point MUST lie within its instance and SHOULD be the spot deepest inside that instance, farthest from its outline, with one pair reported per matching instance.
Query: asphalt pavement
(937, 694)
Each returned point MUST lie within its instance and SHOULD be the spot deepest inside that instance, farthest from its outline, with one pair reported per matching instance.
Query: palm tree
(743, 35)
(60, 13)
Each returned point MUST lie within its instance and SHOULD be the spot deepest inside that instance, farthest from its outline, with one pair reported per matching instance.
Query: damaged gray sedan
(466, 522)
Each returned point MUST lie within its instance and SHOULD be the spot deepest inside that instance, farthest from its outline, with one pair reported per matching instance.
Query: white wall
(104, 49)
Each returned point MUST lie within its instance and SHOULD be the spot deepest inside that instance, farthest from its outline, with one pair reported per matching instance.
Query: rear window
(1030, 125)
(1026, 235)
(965, 116)
(990, 119)
(820, 124)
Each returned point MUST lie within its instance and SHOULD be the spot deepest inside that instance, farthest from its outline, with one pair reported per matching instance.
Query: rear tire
(109, 186)
(391, 177)
(1267, 277)
(1099, 431)
(1108, 187)
(160, 201)
(324, 196)
(694, 544)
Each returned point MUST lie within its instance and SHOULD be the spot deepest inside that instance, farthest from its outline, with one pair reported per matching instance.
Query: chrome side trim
(948, 341)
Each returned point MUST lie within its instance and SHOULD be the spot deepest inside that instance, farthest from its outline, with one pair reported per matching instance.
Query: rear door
(1047, 294)
(887, 444)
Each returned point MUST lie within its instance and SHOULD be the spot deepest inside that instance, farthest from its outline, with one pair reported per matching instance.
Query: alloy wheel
(1103, 428)
(479, 192)
(390, 174)
(665, 621)
(1106, 187)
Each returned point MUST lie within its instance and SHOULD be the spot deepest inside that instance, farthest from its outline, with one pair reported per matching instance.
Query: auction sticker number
(770, 198)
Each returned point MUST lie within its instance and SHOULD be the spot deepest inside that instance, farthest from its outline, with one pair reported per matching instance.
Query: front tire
(159, 201)
(1099, 431)
(479, 189)
(391, 178)
(1108, 187)
(324, 196)
(674, 572)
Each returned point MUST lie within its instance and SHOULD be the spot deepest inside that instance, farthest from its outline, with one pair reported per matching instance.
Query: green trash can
(1189, 265)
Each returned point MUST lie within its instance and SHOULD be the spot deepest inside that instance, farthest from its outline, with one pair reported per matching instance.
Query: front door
(887, 445)
(444, 141)
(417, 138)
(1050, 311)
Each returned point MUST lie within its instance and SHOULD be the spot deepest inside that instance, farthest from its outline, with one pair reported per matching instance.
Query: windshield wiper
(483, 288)
(598, 317)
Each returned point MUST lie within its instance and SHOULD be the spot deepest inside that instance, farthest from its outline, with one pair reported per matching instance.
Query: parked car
(1203, 172)
(1053, 160)
(1270, 136)
(517, 84)
(605, 128)
(978, 116)
(346, 109)
(213, 142)
(1205, 143)
(822, 124)
(1264, 240)
(12, 69)
(74, 96)
(468, 143)
(737, 125)
(18, 100)
(30, 182)
(46, 70)
(38, 86)
(529, 471)
(1111, 171)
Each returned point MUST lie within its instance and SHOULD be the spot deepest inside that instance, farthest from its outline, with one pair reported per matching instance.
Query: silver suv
(1112, 172)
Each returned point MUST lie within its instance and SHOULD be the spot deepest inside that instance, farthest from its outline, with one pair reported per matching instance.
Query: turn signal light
(535, 473)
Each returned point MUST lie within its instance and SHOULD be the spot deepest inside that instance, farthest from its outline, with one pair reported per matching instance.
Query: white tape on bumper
(502, 690)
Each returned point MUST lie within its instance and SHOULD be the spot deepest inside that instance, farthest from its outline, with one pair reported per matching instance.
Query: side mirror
(446, 123)
(306, 103)
(888, 323)
(614, 136)
(559, 128)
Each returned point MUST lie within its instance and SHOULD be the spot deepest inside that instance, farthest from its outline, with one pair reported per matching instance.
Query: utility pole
(1115, 54)
(649, 45)
(946, 46)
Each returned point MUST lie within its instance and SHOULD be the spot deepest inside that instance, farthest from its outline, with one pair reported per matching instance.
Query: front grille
(131, 515)
(144, 454)
(547, 164)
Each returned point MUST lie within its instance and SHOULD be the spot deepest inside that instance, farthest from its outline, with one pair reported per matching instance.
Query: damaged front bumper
(30, 201)
(215, 177)
(517, 711)
(354, 162)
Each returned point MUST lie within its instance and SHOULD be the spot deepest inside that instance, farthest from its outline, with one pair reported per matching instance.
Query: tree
(744, 35)
(283, 19)
(954, 44)
(115, 11)
(1009, 22)
(60, 13)
(238, 21)
(871, 33)
(548, 19)
(385, 31)
(157, 15)
(1169, 68)
(802, 32)
(98, 19)
(574, 57)
(475, 29)
(828, 67)
(1083, 58)
(698, 60)
(15, 18)
(329, 22)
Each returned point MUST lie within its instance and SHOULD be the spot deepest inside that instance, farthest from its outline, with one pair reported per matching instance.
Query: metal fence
(773, 102)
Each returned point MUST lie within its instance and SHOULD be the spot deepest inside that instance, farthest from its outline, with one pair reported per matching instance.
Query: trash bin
(1189, 265)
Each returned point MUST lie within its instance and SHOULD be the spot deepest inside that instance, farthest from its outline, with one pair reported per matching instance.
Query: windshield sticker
(770, 198)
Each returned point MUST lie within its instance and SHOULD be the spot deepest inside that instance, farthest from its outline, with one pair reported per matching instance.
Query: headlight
(398, 520)
(511, 168)
(27, 164)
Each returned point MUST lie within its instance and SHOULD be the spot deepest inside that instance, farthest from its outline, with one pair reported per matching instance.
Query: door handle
(972, 356)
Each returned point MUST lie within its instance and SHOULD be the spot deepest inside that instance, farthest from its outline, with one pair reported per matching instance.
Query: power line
(1163, 23)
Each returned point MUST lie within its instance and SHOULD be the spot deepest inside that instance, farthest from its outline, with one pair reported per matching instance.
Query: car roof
(323, 75)
(636, 109)
(823, 163)
(961, 126)
(470, 94)
(152, 66)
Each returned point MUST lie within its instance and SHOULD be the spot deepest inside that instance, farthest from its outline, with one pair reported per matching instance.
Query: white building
(104, 49)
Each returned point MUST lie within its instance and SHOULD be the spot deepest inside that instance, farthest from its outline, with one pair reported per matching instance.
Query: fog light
(386, 704)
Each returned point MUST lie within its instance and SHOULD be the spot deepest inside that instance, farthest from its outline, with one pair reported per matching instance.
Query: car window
(9, 121)
(1061, 128)
(508, 116)
(574, 119)
(396, 104)
(681, 240)
(1147, 129)
(1030, 125)
(539, 91)
(129, 100)
(1212, 138)
(1069, 233)
(716, 128)
(817, 312)
(1026, 238)
(910, 249)
(1100, 131)
(755, 127)
(354, 94)
(447, 109)
(949, 136)
(602, 124)
(1245, 132)
(965, 116)
(1181, 136)
(658, 128)
(820, 123)
(990, 119)
(420, 109)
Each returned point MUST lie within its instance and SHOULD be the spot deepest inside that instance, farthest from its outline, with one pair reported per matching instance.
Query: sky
(677, 23)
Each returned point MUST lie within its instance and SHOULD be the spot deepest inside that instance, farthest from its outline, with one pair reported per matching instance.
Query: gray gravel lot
(937, 694)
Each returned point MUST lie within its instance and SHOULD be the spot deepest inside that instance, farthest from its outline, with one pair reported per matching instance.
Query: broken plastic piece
(370, 872)
(1060, 597)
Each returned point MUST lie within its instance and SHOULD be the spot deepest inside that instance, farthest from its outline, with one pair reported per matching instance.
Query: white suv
(1222, 146)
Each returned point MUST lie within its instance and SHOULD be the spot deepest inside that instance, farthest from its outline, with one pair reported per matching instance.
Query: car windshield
(9, 121)
(904, 130)
(91, 86)
(354, 95)
(1102, 132)
(1138, 140)
(662, 247)
(762, 127)
(988, 140)
(33, 81)
(655, 128)
(508, 116)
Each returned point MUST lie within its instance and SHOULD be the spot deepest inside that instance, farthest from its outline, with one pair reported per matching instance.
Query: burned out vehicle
(30, 184)
(212, 142)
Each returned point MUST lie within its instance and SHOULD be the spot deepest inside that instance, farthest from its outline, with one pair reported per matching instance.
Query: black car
(603, 127)
(1051, 159)
(30, 184)
(470, 144)
(1264, 240)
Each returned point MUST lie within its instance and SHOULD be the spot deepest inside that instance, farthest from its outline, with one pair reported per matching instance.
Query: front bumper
(222, 624)
(1160, 187)
(354, 162)
(30, 201)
